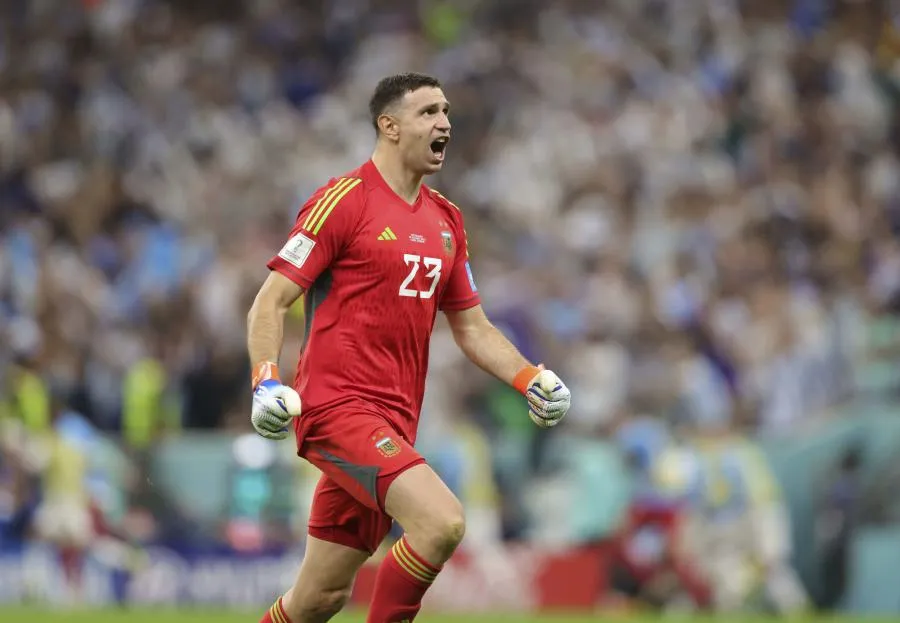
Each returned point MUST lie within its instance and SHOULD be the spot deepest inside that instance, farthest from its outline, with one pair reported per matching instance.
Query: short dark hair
(393, 88)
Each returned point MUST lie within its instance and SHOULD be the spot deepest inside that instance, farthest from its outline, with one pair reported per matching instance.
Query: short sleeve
(461, 292)
(323, 227)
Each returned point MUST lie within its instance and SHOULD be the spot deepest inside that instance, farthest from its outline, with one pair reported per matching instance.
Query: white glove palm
(548, 399)
(274, 406)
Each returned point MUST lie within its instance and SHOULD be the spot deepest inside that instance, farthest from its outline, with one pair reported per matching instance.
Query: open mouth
(438, 146)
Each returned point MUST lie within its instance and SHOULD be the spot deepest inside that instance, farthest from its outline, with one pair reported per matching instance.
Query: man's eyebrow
(445, 105)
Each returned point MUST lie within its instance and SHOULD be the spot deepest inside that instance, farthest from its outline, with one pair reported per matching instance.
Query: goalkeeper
(377, 254)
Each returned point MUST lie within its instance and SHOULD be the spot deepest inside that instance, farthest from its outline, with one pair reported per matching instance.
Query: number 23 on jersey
(430, 264)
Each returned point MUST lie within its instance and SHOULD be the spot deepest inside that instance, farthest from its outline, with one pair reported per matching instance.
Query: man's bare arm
(486, 346)
(265, 322)
(548, 397)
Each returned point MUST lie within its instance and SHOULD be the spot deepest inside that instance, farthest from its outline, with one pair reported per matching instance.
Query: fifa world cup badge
(387, 447)
(447, 239)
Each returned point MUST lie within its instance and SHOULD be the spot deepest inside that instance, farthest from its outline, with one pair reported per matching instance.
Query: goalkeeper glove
(548, 397)
(274, 404)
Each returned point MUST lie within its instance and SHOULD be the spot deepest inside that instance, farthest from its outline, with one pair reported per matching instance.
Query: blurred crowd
(688, 209)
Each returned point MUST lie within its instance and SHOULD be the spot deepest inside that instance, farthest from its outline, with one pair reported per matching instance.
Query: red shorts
(360, 455)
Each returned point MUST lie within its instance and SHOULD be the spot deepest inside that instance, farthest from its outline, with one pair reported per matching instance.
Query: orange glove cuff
(264, 371)
(523, 378)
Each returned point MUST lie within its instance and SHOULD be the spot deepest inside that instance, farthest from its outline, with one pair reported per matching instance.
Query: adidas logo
(387, 234)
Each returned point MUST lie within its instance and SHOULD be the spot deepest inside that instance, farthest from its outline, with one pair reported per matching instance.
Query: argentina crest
(387, 447)
(447, 239)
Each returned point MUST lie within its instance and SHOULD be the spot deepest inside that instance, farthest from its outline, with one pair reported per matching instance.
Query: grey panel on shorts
(365, 475)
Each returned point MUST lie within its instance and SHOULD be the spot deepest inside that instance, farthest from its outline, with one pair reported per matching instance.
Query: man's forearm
(265, 333)
(548, 397)
(265, 324)
(489, 349)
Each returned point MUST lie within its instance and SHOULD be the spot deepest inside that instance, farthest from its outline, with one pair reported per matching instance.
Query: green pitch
(26, 615)
(29, 615)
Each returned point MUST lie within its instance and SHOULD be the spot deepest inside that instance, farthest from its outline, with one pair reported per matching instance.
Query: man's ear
(388, 126)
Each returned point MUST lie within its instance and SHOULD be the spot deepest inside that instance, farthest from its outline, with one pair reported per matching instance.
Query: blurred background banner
(690, 209)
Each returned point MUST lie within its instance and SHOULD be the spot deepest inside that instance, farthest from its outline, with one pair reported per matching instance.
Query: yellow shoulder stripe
(327, 203)
(445, 199)
(465, 234)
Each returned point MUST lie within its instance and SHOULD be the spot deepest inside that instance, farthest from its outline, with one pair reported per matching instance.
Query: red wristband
(264, 371)
(523, 378)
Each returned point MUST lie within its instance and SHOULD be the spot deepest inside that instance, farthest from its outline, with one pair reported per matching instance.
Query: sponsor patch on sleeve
(471, 278)
(297, 250)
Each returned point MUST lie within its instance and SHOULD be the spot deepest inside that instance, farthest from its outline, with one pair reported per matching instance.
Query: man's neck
(401, 180)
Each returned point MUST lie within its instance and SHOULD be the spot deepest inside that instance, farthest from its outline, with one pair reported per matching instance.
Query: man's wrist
(263, 371)
(523, 378)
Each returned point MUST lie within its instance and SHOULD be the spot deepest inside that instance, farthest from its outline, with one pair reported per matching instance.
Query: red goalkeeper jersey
(376, 270)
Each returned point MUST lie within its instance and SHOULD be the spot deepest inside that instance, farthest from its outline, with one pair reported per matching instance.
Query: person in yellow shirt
(63, 518)
(738, 529)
